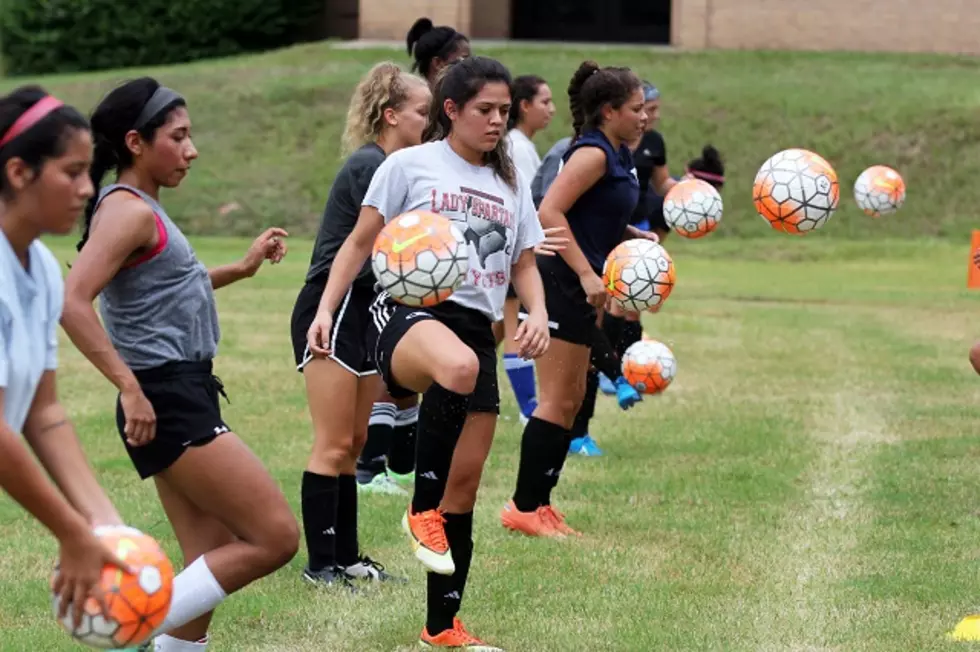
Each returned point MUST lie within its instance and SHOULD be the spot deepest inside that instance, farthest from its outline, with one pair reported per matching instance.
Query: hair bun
(421, 27)
(709, 153)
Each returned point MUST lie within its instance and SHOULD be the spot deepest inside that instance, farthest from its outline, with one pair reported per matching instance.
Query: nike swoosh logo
(612, 277)
(398, 247)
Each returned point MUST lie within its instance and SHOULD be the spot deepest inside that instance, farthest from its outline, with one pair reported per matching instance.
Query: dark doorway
(613, 21)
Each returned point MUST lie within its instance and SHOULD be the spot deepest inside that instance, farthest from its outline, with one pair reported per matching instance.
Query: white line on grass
(800, 609)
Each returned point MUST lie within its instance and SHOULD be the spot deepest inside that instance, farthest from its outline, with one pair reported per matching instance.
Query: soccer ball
(692, 208)
(420, 258)
(649, 366)
(136, 604)
(638, 275)
(879, 190)
(796, 191)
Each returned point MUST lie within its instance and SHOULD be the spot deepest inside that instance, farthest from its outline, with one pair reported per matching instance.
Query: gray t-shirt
(340, 214)
(550, 166)
(498, 221)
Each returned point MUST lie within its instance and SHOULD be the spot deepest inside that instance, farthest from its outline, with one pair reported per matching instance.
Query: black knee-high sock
(444, 594)
(441, 419)
(347, 548)
(537, 471)
(319, 496)
(587, 410)
(401, 452)
(380, 428)
(603, 357)
(614, 327)
(632, 333)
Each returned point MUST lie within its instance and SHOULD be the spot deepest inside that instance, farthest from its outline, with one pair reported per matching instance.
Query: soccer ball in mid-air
(420, 258)
(638, 275)
(879, 190)
(692, 208)
(135, 603)
(796, 191)
(649, 366)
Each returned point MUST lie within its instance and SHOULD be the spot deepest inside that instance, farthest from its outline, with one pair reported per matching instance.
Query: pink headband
(31, 117)
(706, 176)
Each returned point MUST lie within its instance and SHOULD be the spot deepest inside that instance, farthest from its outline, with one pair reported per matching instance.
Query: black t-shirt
(340, 215)
(650, 154)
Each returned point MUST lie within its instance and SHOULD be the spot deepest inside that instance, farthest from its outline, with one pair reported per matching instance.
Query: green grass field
(268, 126)
(807, 483)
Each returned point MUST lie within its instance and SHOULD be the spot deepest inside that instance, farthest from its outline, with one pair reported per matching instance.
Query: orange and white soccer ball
(879, 190)
(638, 275)
(136, 604)
(649, 366)
(796, 191)
(420, 258)
(692, 208)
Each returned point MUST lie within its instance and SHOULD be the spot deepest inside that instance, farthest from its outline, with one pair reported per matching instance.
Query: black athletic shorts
(570, 316)
(184, 396)
(353, 335)
(473, 329)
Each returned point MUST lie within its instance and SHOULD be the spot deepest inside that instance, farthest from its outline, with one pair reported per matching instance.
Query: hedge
(45, 36)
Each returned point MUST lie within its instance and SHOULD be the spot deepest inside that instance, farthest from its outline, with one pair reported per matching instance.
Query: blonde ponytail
(385, 86)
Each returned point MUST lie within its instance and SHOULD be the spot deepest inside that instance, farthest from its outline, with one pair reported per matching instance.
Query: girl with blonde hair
(388, 112)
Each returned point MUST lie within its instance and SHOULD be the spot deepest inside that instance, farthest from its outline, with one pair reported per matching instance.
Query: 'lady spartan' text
(475, 203)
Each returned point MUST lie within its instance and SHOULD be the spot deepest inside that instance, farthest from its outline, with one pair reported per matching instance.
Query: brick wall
(390, 19)
(887, 25)
(951, 26)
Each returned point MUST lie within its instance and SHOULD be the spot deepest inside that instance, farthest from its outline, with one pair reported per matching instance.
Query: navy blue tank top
(599, 218)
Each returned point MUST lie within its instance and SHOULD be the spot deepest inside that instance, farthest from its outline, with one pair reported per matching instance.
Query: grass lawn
(807, 483)
(268, 126)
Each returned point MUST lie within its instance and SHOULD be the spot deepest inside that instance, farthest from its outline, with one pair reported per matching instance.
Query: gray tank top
(160, 308)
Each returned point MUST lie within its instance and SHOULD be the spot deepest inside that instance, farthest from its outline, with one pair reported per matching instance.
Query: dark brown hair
(592, 88)
(460, 82)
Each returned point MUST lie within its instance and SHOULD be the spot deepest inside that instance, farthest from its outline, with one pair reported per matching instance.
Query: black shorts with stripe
(473, 329)
(184, 396)
(353, 335)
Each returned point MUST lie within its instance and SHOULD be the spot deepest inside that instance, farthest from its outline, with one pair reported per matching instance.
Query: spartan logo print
(487, 219)
(486, 223)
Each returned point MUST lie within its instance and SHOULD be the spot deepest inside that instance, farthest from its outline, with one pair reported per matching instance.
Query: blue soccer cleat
(606, 386)
(626, 394)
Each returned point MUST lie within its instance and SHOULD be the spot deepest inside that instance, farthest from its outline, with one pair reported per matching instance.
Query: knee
(571, 399)
(975, 357)
(460, 375)
(281, 540)
(333, 450)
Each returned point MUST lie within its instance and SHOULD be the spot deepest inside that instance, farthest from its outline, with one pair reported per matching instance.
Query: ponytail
(592, 87)
(104, 159)
(384, 87)
(584, 72)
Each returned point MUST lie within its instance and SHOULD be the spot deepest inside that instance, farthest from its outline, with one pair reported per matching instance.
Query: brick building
(892, 25)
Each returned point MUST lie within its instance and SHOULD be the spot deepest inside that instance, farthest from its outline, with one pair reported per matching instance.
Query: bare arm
(661, 180)
(527, 282)
(268, 246)
(123, 227)
(355, 250)
(532, 333)
(350, 258)
(25, 482)
(53, 439)
(583, 170)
